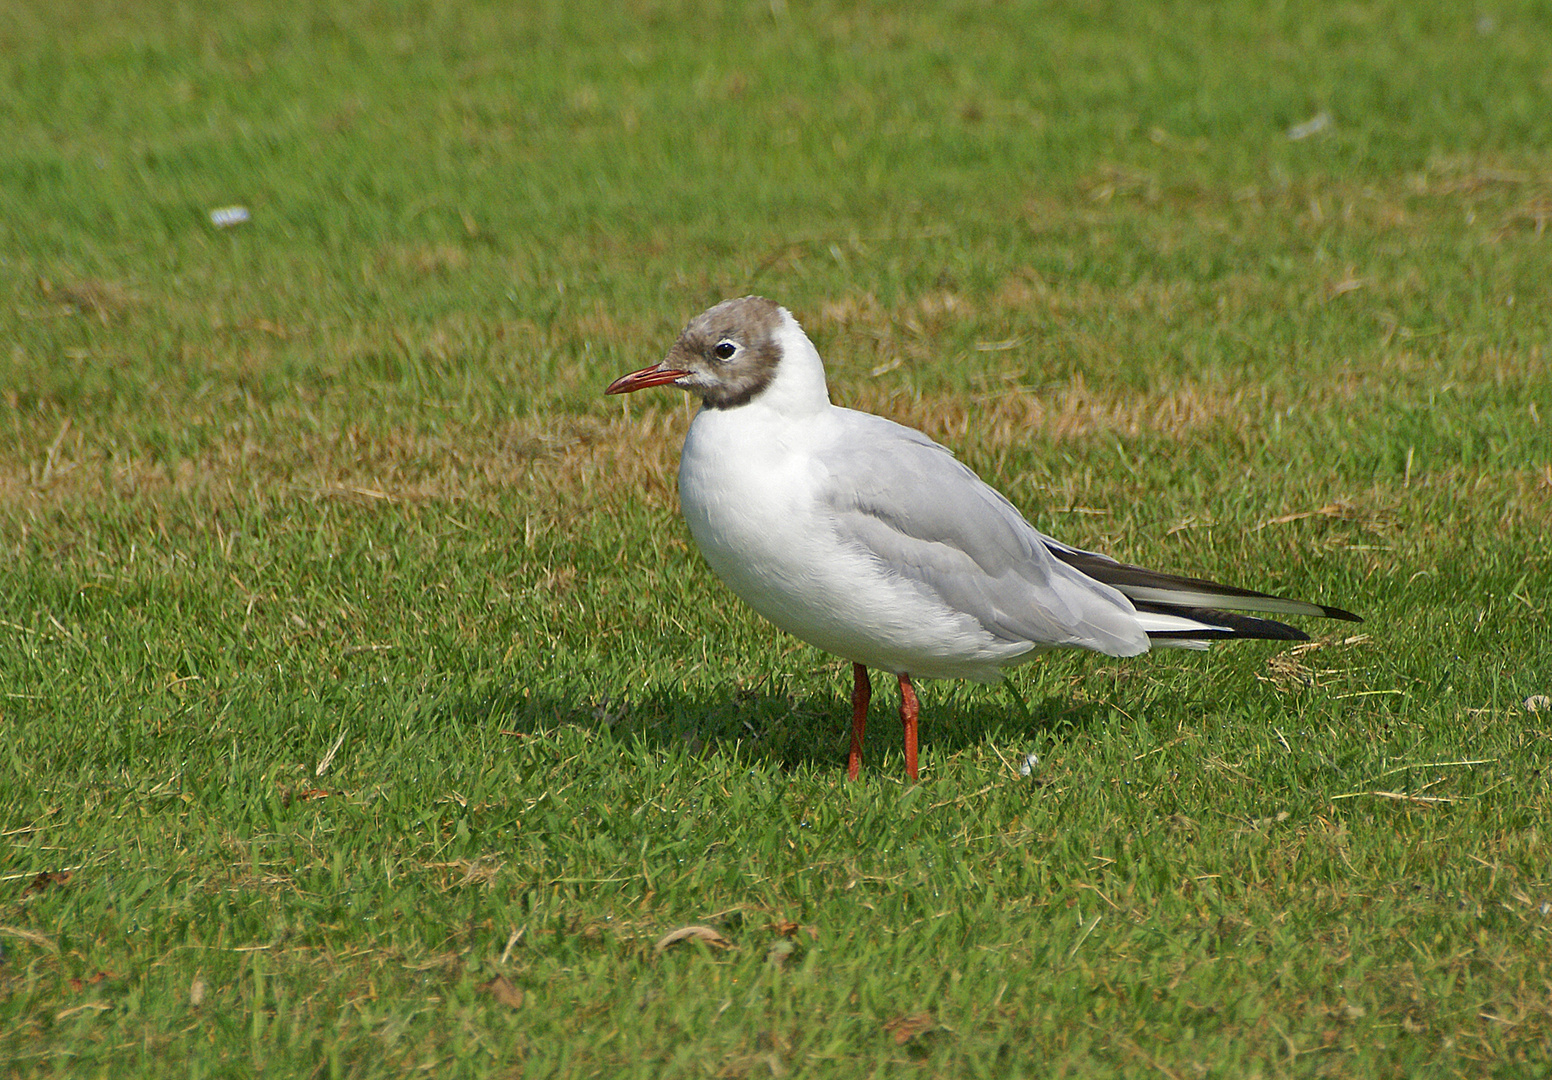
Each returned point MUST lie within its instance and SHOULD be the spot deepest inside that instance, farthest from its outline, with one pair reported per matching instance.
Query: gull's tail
(1191, 612)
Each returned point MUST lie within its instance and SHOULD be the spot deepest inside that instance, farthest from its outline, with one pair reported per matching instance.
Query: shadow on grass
(791, 730)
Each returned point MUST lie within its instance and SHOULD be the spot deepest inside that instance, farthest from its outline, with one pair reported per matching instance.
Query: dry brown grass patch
(104, 300)
(1074, 411)
(557, 468)
(560, 464)
(918, 317)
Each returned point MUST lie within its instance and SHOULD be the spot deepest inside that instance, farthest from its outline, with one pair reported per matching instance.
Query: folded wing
(928, 519)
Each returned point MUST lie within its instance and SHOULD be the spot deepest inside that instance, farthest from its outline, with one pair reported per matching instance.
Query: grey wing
(926, 518)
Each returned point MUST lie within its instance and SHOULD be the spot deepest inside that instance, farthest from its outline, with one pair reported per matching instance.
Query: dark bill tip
(656, 375)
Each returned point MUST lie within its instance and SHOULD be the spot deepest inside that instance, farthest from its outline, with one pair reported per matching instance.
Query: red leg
(908, 710)
(861, 694)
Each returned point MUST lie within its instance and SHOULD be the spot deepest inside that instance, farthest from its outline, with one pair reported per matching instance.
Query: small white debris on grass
(328, 758)
(1313, 126)
(1031, 763)
(1538, 703)
(226, 217)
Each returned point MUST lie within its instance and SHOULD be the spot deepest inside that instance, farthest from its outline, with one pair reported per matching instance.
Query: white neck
(798, 388)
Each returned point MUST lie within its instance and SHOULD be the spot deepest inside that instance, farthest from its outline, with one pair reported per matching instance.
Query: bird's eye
(724, 350)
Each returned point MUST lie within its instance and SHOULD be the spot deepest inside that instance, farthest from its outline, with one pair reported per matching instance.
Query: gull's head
(735, 353)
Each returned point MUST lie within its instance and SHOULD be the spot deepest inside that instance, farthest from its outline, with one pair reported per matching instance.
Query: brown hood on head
(746, 329)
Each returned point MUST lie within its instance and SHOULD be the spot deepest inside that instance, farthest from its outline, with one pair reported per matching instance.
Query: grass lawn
(365, 709)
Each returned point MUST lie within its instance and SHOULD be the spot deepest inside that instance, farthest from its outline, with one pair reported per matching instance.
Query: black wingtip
(1222, 626)
(1153, 587)
(1211, 634)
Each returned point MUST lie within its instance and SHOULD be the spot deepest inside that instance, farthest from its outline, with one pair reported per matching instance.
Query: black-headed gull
(872, 542)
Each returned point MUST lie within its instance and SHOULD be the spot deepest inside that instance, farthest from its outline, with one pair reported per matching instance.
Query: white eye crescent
(725, 350)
